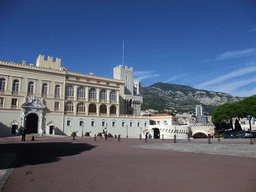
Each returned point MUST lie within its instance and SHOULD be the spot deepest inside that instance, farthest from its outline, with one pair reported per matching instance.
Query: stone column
(98, 94)
(75, 92)
(108, 110)
(117, 111)
(86, 93)
(108, 94)
(75, 107)
(86, 109)
(98, 109)
(117, 97)
(40, 123)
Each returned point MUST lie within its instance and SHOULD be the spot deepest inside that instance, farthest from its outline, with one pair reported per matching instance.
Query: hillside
(181, 98)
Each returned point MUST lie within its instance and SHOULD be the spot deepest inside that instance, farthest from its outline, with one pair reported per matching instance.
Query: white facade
(48, 99)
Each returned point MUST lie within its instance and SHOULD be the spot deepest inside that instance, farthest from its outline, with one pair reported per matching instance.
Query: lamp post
(82, 125)
(106, 134)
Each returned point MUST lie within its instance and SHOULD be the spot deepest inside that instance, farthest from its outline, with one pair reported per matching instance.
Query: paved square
(63, 164)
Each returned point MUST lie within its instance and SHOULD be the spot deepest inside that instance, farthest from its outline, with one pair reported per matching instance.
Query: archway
(14, 128)
(113, 109)
(103, 109)
(32, 123)
(156, 133)
(199, 135)
(51, 130)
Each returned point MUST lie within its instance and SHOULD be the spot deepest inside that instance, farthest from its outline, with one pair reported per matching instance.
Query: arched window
(103, 94)
(69, 106)
(92, 93)
(103, 109)
(44, 89)
(31, 87)
(2, 84)
(15, 85)
(112, 96)
(113, 109)
(57, 90)
(81, 107)
(69, 91)
(81, 92)
(92, 108)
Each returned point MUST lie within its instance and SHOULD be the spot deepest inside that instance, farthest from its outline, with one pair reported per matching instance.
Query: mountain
(175, 98)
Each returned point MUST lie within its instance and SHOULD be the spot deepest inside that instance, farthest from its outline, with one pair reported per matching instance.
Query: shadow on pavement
(38, 153)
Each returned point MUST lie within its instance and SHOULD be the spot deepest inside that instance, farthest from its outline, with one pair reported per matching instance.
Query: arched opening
(32, 123)
(103, 109)
(92, 108)
(156, 133)
(200, 135)
(113, 109)
(14, 128)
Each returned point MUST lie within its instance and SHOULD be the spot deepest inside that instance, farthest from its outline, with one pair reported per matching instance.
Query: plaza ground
(63, 164)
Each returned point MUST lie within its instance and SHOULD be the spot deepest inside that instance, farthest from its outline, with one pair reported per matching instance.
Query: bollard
(106, 137)
(251, 141)
(174, 140)
(209, 139)
(218, 137)
(140, 136)
(33, 138)
(188, 137)
(95, 137)
(162, 137)
(119, 137)
(115, 136)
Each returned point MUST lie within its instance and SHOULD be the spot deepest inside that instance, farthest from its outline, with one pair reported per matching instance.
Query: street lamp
(106, 134)
(82, 125)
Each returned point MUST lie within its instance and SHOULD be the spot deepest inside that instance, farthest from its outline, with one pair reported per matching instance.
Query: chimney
(23, 62)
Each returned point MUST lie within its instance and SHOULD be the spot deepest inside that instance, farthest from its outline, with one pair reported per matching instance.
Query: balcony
(15, 93)
(44, 95)
(56, 97)
(30, 94)
(92, 100)
(81, 98)
(14, 107)
(69, 98)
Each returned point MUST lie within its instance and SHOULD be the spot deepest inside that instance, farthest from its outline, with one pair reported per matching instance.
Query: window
(70, 91)
(92, 123)
(165, 122)
(81, 123)
(113, 124)
(130, 124)
(138, 124)
(158, 122)
(103, 94)
(2, 84)
(57, 90)
(44, 89)
(92, 93)
(1, 102)
(14, 104)
(31, 87)
(123, 124)
(112, 96)
(68, 122)
(81, 92)
(145, 124)
(57, 106)
(81, 107)
(15, 85)
(103, 123)
(69, 107)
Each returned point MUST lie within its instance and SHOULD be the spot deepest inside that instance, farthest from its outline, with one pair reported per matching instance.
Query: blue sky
(203, 44)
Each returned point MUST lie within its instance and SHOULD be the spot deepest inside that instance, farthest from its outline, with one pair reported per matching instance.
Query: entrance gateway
(156, 133)
(32, 114)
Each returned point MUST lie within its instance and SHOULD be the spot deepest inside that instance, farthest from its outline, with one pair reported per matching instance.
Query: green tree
(248, 109)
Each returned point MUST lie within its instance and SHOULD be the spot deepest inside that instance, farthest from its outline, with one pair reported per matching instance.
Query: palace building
(47, 99)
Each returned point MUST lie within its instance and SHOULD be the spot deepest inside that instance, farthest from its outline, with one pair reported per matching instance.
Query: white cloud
(232, 87)
(231, 54)
(140, 75)
(174, 78)
(227, 77)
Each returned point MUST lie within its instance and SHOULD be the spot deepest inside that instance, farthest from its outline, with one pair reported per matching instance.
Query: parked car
(229, 135)
(240, 134)
(253, 133)
(248, 134)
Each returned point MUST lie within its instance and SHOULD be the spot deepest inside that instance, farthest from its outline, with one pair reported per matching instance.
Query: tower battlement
(49, 63)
